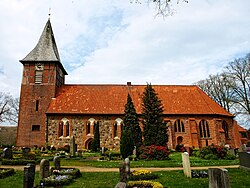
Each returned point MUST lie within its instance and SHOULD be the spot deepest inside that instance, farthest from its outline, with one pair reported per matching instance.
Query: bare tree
(239, 72)
(163, 7)
(220, 88)
(9, 107)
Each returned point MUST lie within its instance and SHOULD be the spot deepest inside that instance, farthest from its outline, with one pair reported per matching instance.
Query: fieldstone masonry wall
(191, 137)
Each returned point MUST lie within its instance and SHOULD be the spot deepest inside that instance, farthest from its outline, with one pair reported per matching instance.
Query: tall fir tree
(131, 129)
(95, 146)
(155, 130)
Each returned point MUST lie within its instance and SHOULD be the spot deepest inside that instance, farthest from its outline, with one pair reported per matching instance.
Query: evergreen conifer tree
(155, 130)
(95, 146)
(131, 135)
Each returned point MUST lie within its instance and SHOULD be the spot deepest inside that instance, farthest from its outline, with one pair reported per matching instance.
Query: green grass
(175, 161)
(239, 178)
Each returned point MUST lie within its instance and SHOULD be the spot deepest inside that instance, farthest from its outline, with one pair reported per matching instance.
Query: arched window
(117, 127)
(67, 128)
(225, 128)
(115, 130)
(179, 126)
(88, 128)
(204, 129)
(64, 128)
(60, 130)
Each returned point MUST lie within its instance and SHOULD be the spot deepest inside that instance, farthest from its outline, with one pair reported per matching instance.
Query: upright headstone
(186, 164)
(57, 162)
(44, 168)
(26, 151)
(72, 146)
(123, 174)
(134, 151)
(103, 151)
(244, 158)
(218, 178)
(127, 167)
(121, 185)
(29, 176)
(7, 153)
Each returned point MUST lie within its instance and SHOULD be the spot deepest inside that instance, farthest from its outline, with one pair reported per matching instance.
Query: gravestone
(121, 185)
(124, 170)
(186, 164)
(44, 168)
(134, 151)
(72, 146)
(7, 153)
(123, 174)
(26, 151)
(29, 176)
(218, 178)
(57, 162)
(127, 167)
(103, 151)
(244, 158)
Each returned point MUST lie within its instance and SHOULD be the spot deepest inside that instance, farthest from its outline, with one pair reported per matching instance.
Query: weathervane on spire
(49, 12)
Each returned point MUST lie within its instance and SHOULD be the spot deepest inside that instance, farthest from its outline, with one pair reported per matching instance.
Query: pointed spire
(46, 49)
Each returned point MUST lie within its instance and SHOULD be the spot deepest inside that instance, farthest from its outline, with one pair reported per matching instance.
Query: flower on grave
(140, 172)
(56, 171)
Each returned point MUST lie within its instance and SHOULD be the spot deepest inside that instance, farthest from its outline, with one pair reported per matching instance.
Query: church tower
(43, 75)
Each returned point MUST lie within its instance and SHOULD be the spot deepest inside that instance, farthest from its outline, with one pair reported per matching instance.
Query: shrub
(154, 152)
(148, 184)
(210, 157)
(219, 151)
(230, 157)
(18, 161)
(5, 172)
(142, 175)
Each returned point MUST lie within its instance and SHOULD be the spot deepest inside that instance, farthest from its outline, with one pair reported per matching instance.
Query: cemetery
(58, 168)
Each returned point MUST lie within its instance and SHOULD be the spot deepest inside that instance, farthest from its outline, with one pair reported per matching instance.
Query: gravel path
(95, 169)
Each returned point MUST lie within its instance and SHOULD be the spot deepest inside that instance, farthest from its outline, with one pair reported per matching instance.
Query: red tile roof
(241, 129)
(110, 99)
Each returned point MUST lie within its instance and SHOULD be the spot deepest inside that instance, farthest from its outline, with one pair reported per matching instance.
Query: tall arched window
(60, 130)
(115, 130)
(67, 128)
(204, 129)
(179, 126)
(88, 128)
(64, 128)
(117, 127)
(225, 128)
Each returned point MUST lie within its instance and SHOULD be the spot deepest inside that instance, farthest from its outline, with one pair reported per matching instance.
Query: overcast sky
(114, 41)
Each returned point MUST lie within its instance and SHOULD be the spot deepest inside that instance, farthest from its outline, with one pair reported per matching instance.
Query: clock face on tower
(39, 66)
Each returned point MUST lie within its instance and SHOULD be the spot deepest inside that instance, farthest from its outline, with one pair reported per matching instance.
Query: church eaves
(46, 49)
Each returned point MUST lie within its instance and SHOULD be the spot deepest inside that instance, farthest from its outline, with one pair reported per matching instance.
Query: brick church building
(51, 111)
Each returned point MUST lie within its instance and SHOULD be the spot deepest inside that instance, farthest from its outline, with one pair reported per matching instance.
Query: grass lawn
(175, 161)
(239, 178)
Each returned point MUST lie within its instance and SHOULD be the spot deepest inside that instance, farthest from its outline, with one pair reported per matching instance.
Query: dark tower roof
(46, 49)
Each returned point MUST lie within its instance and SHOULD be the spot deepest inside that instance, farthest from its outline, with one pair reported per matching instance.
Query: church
(51, 112)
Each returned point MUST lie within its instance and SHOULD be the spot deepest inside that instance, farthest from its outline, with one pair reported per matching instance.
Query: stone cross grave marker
(218, 178)
(57, 162)
(186, 165)
(29, 176)
(44, 168)
(7, 153)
